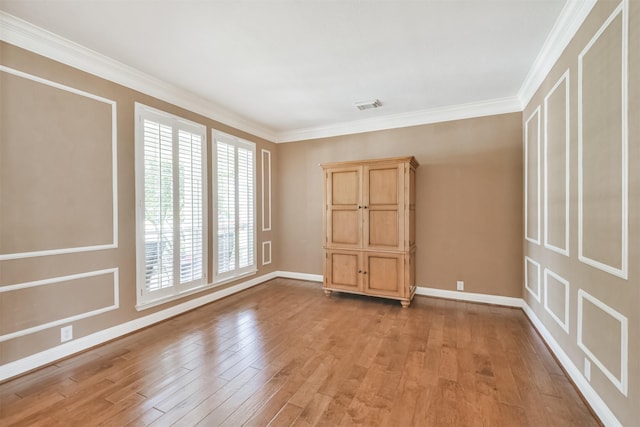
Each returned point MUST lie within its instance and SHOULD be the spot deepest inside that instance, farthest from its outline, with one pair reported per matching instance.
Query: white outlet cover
(587, 369)
(460, 285)
(66, 333)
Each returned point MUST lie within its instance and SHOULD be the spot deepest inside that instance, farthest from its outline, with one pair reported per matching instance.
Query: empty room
(283, 212)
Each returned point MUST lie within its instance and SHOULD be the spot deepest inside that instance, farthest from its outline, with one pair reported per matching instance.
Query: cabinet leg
(327, 292)
(405, 303)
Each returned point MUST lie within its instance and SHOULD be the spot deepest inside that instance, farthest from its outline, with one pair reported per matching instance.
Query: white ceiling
(294, 66)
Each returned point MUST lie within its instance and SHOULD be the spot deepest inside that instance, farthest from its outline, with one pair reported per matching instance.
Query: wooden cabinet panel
(412, 207)
(384, 274)
(345, 228)
(369, 225)
(383, 198)
(343, 270)
(343, 210)
(383, 229)
(345, 187)
(382, 185)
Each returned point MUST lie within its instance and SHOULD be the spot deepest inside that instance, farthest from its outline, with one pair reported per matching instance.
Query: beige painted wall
(92, 178)
(469, 199)
(602, 206)
(470, 221)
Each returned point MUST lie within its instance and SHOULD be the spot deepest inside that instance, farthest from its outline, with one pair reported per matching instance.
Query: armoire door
(383, 202)
(343, 270)
(383, 274)
(343, 208)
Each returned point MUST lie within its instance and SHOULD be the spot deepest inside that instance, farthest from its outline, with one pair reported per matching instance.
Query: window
(234, 213)
(171, 205)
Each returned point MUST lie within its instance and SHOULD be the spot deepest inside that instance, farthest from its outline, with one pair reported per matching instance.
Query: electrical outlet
(460, 285)
(587, 369)
(66, 333)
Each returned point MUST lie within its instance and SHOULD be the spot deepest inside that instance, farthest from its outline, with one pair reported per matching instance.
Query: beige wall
(56, 193)
(598, 284)
(470, 222)
(469, 199)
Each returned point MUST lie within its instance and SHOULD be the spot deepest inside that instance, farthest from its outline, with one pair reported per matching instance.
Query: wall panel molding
(266, 189)
(622, 270)
(114, 171)
(561, 319)
(622, 382)
(114, 306)
(532, 237)
(534, 292)
(266, 249)
(567, 115)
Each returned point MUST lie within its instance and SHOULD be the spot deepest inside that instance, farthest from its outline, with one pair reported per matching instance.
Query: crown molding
(38, 40)
(23, 34)
(566, 26)
(414, 118)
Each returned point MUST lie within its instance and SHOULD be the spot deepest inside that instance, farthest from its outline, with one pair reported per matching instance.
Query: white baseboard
(51, 355)
(469, 296)
(430, 292)
(299, 276)
(597, 404)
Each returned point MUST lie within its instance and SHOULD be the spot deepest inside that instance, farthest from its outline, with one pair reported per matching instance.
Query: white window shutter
(235, 197)
(171, 209)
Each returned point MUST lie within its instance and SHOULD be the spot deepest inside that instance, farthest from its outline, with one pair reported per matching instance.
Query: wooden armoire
(370, 227)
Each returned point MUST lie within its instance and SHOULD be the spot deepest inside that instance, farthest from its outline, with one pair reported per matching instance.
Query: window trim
(146, 299)
(221, 279)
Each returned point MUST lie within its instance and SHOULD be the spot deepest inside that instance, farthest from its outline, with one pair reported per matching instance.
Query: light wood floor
(282, 353)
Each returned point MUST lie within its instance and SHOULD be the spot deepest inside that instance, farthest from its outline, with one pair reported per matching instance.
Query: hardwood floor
(283, 354)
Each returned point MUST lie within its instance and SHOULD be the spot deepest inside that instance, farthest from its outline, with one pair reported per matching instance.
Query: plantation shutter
(171, 212)
(191, 208)
(245, 197)
(226, 207)
(158, 204)
(235, 196)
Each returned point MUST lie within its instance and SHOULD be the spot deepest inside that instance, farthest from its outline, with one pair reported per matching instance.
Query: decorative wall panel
(29, 307)
(532, 177)
(556, 166)
(58, 173)
(556, 298)
(603, 147)
(532, 277)
(603, 336)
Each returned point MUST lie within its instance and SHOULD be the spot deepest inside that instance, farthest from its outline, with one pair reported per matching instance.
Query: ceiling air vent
(365, 105)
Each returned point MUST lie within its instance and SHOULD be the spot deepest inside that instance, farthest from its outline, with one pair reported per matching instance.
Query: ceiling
(292, 67)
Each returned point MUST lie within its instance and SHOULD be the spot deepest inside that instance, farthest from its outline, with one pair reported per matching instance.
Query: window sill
(140, 306)
(234, 278)
(169, 298)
